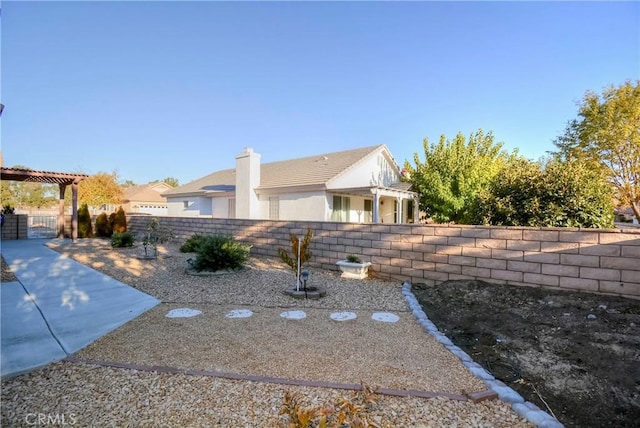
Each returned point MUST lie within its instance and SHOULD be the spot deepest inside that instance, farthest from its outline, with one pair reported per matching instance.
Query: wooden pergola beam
(62, 179)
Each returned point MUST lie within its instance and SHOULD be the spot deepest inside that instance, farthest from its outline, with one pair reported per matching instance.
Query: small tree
(103, 226)
(305, 254)
(85, 229)
(156, 235)
(120, 221)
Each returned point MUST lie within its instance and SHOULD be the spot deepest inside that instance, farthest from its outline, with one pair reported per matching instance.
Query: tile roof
(306, 171)
(144, 193)
(224, 180)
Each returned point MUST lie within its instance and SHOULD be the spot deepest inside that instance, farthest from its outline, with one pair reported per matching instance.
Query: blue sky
(157, 89)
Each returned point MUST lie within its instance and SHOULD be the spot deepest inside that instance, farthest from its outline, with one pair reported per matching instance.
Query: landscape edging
(525, 409)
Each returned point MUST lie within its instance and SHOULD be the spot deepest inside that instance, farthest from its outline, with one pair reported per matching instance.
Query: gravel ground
(393, 355)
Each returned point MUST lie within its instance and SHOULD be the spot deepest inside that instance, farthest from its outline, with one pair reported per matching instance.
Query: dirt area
(7, 275)
(575, 355)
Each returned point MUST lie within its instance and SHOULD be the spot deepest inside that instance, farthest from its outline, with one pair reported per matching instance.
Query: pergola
(63, 180)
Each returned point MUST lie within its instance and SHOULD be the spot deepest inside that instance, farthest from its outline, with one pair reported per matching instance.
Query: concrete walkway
(57, 307)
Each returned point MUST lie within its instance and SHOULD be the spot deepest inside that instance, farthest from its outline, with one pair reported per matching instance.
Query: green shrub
(217, 252)
(85, 230)
(353, 259)
(103, 227)
(121, 240)
(192, 243)
(120, 221)
(112, 221)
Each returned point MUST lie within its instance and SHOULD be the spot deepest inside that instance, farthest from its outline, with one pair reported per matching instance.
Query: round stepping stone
(239, 313)
(343, 316)
(293, 315)
(385, 317)
(183, 313)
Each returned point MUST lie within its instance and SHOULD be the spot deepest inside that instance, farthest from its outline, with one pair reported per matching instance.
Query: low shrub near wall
(605, 261)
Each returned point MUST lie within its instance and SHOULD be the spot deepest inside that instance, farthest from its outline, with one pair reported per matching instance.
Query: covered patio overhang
(63, 180)
(398, 193)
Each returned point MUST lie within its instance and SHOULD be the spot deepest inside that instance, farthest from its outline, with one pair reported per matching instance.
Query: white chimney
(247, 179)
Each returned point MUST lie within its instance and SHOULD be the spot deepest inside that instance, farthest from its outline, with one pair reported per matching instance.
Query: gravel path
(392, 355)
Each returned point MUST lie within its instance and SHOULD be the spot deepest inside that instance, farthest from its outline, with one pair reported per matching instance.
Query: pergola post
(62, 187)
(74, 211)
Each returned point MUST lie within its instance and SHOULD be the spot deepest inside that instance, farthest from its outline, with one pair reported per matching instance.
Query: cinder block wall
(15, 227)
(605, 261)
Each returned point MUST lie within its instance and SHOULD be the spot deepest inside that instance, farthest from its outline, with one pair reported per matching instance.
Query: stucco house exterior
(146, 199)
(361, 186)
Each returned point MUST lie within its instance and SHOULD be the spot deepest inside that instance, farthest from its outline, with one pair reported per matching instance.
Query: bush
(120, 221)
(103, 226)
(553, 194)
(192, 243)
(85, 230)
(122, 240)
(217, 252)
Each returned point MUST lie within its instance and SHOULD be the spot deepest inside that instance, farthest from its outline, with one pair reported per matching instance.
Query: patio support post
(60, 228)
(74, 211)
(400, 213)
(376, 209)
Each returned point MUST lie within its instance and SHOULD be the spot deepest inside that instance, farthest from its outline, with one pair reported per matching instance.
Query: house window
(368, 211)
(341, 208)
(185, 204)
(395, 211)
(274, 208)
(232, 208)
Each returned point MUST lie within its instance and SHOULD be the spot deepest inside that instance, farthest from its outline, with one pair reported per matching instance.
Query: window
(395, 211)
(341, 208)
(232, 208)
(368, 211)
(185, 204)
(274, 208)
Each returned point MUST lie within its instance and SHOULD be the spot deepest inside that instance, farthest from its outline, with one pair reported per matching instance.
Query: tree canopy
(100, 189)
(606, 134)
(454, 172)
(551, 194)
(171, 181)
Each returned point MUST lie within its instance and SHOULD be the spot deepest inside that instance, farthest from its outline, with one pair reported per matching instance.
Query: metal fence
(42, 226)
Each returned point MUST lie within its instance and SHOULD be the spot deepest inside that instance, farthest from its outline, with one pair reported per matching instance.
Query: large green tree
(607, 135)
(454, 172)
(554, 193)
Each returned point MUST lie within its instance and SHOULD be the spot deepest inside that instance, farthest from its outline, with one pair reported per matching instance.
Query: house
(146, 199)
(360, 185)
